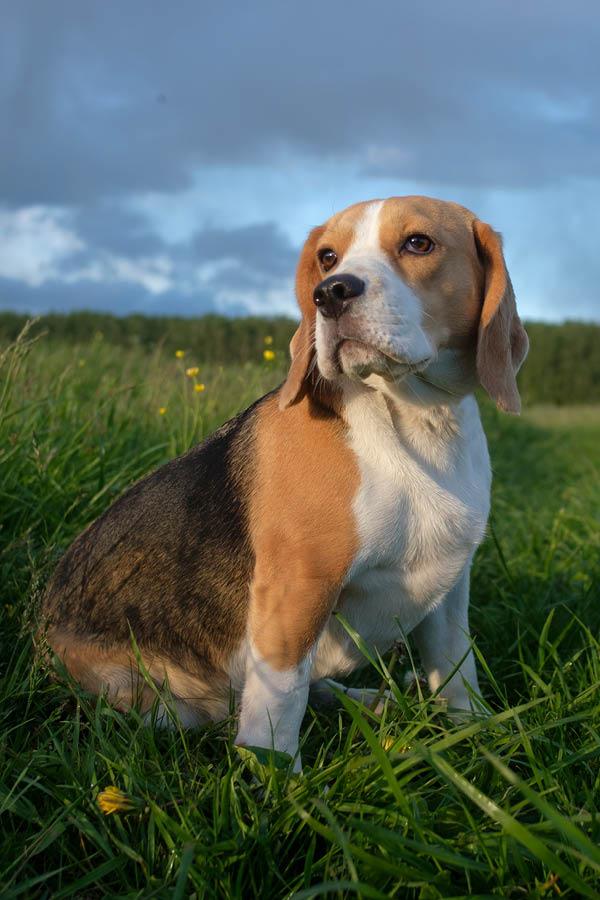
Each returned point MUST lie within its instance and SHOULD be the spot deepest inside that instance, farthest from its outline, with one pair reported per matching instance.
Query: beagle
(360, 485)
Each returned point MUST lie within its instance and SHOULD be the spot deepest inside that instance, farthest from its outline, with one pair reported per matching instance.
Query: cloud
(34, 243)
(46, 264)
(147, 151)
(106, 99)
(114, 297)
(38, 245)
(260, 247)
(112, 227)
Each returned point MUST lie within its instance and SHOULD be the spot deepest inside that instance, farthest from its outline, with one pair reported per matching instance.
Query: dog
(360, 485)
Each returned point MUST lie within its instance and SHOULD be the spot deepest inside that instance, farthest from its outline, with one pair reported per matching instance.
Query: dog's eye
(418, 243)
(327, 258)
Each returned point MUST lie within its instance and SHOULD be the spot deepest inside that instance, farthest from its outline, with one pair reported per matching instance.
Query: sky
(170, 158)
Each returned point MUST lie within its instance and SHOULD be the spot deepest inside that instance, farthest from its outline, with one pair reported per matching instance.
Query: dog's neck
(449, 378)
(433, 424)
(427, 404)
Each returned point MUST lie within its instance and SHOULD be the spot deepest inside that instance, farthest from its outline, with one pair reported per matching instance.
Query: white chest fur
(421, 510)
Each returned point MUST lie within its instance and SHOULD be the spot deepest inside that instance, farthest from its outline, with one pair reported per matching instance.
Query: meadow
(409, 805)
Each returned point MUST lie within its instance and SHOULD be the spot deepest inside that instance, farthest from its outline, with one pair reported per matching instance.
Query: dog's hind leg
(116, 672)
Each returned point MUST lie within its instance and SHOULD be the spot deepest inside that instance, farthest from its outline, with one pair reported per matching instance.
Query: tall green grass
(408, 805)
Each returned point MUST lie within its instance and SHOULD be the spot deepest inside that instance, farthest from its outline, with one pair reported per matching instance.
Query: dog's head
(408, 287)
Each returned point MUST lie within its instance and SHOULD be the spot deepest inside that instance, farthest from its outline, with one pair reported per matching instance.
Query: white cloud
(154, 274)
(270, 302)
(38, 245)
(34, 243)
(205, 274)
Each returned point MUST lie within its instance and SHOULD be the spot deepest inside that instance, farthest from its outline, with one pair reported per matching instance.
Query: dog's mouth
(358, 358)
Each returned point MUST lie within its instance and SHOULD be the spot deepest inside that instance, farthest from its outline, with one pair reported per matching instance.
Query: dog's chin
(358, 361)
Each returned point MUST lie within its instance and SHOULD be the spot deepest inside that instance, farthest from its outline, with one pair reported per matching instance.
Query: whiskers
(308, 345)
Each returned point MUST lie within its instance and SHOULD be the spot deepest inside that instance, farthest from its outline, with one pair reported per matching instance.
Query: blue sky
(170, 158)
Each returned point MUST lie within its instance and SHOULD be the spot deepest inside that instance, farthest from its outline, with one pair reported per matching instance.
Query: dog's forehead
(401, 215)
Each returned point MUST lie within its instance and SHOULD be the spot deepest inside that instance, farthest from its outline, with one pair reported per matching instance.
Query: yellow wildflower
(162, 410)
(81, 363)
(268, 340)
(269, 355)
(180, 354)
(551, 882)
(199, 388)
(112, 800)
(193, 370)
(388, 742)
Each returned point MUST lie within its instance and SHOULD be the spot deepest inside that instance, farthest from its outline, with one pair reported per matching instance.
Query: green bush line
(563, 366)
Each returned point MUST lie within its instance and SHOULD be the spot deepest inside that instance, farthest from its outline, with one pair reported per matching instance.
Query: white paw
(249, 739)
(461, 708)
(374, 699)
(414, 683)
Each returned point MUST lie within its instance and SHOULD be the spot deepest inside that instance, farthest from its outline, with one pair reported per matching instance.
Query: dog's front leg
(286, 616)
(273, 704)
(444, 642)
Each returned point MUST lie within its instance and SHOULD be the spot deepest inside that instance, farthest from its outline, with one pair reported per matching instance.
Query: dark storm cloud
(110, 99)
(111, 227)
(108, 226)
(261, 247)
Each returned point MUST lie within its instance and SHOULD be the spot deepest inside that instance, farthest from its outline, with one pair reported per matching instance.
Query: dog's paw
(324, 693)
(463, 709)
(414, 683)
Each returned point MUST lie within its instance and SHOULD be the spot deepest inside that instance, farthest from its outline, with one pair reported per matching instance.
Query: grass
(406, 806)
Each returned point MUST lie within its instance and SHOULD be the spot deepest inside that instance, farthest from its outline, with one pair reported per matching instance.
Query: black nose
(334, 294)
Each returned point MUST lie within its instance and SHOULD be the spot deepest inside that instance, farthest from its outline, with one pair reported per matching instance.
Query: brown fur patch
(502, 342)
(303, 529)
(339, 232)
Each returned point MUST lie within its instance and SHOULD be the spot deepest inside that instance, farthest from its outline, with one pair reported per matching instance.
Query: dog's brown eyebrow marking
(342, 225)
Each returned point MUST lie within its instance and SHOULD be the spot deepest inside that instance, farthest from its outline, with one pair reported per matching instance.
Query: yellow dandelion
(112, 800)
(268, 340)
(162, 410)
(180, 354)
(193, 370)
(269, 355)
(199, 388)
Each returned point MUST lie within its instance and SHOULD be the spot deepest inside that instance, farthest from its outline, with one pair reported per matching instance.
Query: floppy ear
(302, 348)
(301, 351)
(502, 342)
